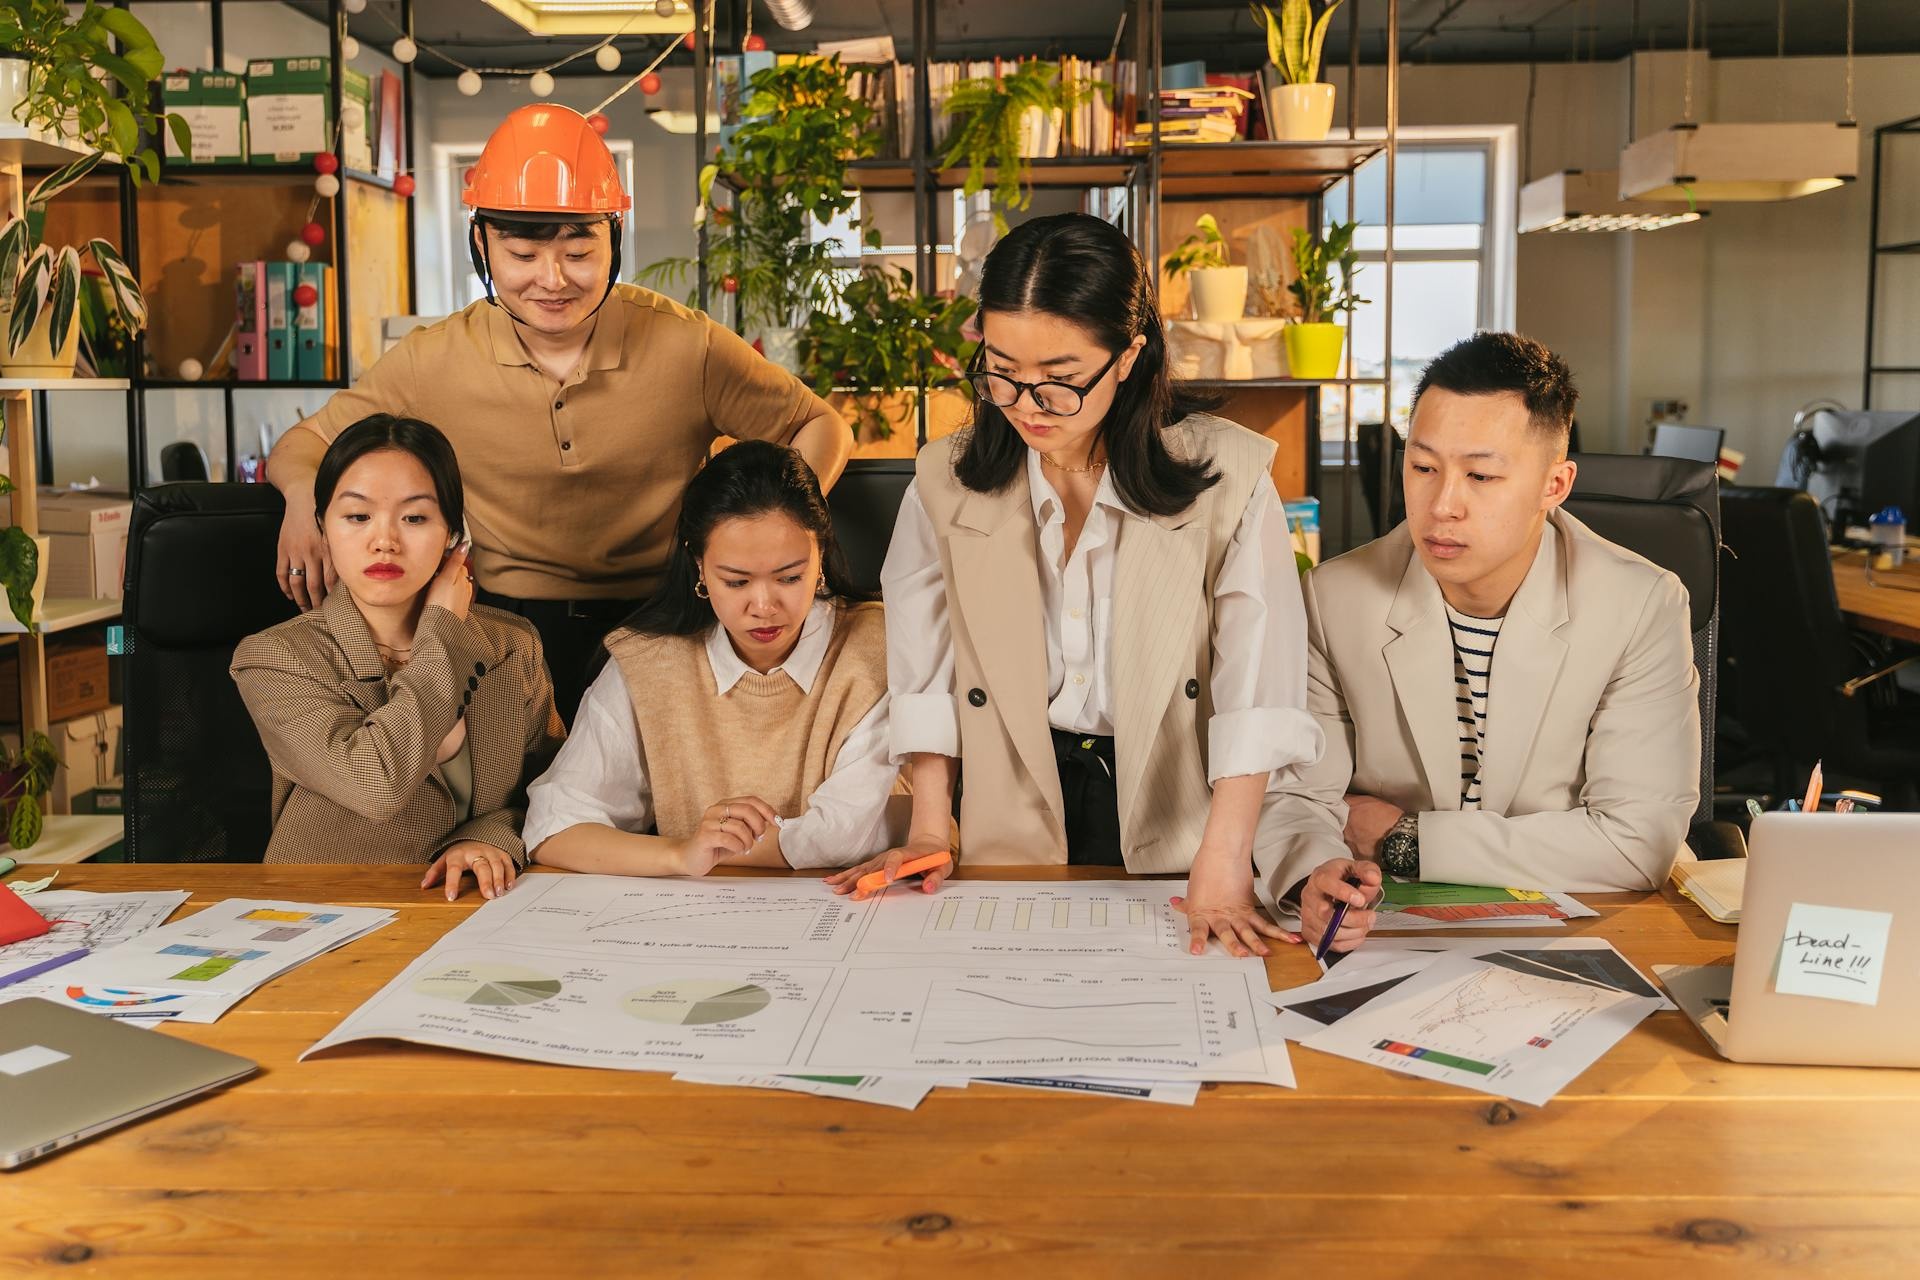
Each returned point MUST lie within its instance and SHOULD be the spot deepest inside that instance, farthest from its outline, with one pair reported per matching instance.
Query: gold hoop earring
(700, 588)
(821, 590)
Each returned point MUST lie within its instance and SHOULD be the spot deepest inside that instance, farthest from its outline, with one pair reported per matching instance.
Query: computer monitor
(1856, 462)
(1701, 444)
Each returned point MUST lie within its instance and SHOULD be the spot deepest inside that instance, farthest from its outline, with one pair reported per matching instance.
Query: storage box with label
(90, 754)
(89, 532)
(214, 105)
(289, 109)
(76, 676)
(356, 120)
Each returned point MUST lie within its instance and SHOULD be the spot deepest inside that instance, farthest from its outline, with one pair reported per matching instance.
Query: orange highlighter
(874, 881)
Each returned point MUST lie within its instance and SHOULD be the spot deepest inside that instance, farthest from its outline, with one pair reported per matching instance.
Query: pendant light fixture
(1697, 161)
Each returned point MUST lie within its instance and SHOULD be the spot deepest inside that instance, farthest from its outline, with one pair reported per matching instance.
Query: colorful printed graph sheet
(644, 975)
(229, 949)
(1487, 1027)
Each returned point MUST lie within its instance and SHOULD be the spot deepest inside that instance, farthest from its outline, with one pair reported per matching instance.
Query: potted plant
(786, 166)
(40, 285)
(998, 124)
(1314, 338)
(24, 778)
(51, 85)
(1219, 288)
(1301, 108)
(885, 340)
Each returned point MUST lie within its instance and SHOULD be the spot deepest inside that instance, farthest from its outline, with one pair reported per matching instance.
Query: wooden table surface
(390, 1160)
(1891, 611)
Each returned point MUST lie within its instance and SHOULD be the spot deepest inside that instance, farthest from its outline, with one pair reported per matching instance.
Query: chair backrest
(864, 504)
(1667, 510)
(200, 578)
(1788, 645)
(183, 460)
(1367, 437)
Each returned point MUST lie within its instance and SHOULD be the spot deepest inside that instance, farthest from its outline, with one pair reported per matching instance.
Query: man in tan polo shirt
(579, 407)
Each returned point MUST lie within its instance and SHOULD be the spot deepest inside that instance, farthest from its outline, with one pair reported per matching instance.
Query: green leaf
(121, 128)
(29, 296)
(121, 283)
(19, 568)
(60, 179)
(1295, 17)
(26, 826)
(65, 296)
(182, 132)
(132, 32)
(15, 243)
(1319, 38)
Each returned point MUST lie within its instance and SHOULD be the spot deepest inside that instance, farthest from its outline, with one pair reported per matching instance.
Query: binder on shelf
(250, 323)
(279, 321)
(310, 323)
(390, 153)
(330, 324)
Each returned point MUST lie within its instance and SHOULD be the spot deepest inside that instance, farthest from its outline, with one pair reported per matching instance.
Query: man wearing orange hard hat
(579, 406)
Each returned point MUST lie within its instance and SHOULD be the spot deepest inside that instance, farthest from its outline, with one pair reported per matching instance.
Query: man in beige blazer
(1508, 698)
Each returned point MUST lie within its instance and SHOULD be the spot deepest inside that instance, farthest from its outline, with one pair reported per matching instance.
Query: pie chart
(488, 984)
(697, 1002)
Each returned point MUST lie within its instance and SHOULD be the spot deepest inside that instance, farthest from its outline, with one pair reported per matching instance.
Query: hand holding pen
(1337, 904)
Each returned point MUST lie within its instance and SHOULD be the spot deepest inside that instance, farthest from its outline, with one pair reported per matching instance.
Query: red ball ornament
(756, 43)
(729, 284)
(305, 295)
(403, 185)
(598, 123)
(467, 177)
(326, 162)
(650, 83)
(688, 41)
(314, 234)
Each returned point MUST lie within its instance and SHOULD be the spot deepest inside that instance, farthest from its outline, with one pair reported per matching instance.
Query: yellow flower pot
(1313, 350)
(36, 357)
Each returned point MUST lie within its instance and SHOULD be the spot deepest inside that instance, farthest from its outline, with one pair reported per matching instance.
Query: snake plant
(1294, 38)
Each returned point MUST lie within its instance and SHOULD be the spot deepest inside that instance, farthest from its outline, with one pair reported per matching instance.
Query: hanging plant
(989, 115)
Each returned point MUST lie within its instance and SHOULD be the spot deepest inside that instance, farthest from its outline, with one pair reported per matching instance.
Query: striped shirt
(1473, 641)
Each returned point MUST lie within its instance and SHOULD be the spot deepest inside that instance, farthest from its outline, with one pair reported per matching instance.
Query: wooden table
(1890, 611)
(383, 1160)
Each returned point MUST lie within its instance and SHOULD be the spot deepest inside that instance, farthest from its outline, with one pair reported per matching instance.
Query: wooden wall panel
(376, 266)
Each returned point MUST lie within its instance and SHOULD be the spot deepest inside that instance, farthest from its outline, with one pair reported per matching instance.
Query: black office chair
(183, 460)
(1801, 685)
(200, 562)
(1668, 510)
(864, 504)
(1366, 457)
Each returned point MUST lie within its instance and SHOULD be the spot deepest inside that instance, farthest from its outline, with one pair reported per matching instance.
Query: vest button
(1193, 688)
(978, 697)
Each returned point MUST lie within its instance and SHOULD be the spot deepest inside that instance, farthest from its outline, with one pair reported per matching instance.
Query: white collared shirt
(1259, 679)
(600, 775)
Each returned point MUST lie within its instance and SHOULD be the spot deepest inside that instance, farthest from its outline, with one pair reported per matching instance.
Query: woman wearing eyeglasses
(1094, 623)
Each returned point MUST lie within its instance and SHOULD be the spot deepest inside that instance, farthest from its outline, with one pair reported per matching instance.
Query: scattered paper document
(888, 1091)
(1576, 959)
(1178, 1093)
(1487, 1027)
(1430, 906)
(82, 922)
(230, 948)
(23, 888)
(1833, 953)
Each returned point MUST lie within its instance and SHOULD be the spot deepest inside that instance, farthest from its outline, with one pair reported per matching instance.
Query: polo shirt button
(1193, 688)
(978, 697)
(559, 404)
(566, 445)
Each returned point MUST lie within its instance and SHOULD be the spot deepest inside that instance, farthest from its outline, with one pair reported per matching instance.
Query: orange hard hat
(546, 158)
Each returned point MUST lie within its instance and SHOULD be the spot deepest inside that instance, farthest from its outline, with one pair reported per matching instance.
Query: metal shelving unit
(1877, 253)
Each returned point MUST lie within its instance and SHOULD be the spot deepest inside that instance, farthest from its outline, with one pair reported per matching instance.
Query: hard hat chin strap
(481, 253)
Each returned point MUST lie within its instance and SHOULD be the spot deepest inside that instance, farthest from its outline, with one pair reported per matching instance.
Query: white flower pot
(1219, 293)
(782, 347)
(13, 85)
(1301, 112)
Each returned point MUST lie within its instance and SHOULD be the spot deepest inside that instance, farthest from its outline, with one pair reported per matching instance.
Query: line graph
(736, 921)
(962, 1013)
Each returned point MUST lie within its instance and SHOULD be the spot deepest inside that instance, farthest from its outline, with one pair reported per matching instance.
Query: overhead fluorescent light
(1578, 200)
(675, 121)
(1709, 162)
(597, 17)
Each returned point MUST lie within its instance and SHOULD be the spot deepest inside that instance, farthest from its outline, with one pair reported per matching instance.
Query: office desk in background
(1889, 611)
(393, 1160)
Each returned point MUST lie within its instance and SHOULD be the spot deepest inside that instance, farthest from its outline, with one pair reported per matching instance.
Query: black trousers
(571, 632)
(1092, 798)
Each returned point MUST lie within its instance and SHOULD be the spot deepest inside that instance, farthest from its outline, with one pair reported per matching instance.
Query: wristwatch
(1400, 848)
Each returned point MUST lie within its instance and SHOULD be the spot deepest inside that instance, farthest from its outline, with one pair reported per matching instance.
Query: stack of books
(1212, 113)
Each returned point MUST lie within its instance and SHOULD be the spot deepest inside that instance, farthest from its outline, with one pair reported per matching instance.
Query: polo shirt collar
(802, 665)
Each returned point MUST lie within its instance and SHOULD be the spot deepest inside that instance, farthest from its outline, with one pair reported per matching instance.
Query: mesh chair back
(200, 578)
(1668, 511)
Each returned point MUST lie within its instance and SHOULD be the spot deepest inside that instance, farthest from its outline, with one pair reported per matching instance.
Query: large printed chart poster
(981, 978)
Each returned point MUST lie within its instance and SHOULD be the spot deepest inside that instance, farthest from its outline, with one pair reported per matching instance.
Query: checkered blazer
(354, 777)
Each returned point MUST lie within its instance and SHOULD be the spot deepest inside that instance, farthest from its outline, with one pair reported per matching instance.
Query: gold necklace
(1098, 465)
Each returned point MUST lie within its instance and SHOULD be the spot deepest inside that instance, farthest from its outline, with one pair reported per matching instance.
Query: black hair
(1492, 363)
(420, 440)
(1085, 271)
(751, 478)
(530, 229)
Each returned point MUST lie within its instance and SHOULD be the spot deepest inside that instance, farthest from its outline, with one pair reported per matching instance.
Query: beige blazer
(1590, 768)
(354, 778)
(1011, 808)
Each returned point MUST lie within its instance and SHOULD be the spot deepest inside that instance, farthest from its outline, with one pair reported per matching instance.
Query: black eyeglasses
(1057, 399)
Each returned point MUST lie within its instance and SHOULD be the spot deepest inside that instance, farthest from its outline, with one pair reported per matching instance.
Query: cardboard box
(91, 755)
(89, 533)
(289, 109)
(76, 677)
(214, 105)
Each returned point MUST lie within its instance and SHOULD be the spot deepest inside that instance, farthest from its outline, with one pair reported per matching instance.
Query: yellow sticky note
(1529, 895)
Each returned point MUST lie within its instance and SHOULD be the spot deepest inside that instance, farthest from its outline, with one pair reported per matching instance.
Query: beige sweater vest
(763, 737)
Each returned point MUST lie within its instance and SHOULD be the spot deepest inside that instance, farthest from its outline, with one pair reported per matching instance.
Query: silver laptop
(66, 1075)
(1829, 898)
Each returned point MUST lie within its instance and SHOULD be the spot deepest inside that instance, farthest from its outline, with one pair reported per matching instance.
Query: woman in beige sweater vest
(1094, 620)
(743, 717)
